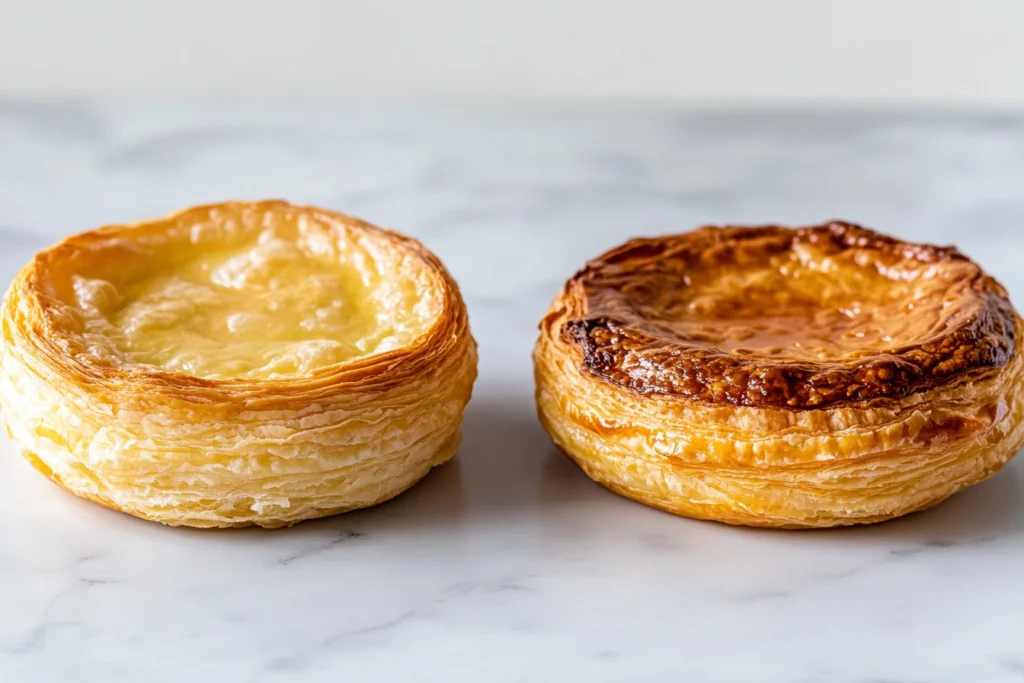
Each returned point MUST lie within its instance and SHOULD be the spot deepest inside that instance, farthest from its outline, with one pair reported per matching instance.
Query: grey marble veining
(508, 564)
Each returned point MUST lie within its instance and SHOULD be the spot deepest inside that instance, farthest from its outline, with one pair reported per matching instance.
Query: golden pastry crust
(783, 377)
(236, 364)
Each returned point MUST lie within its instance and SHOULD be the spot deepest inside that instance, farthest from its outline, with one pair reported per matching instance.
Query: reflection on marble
(508, 564)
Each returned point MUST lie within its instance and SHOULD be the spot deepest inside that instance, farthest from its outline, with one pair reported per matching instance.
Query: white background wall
(959, 51)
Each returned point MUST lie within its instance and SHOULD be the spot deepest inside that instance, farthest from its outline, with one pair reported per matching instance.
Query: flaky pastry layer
(236, 364)
(644, 408)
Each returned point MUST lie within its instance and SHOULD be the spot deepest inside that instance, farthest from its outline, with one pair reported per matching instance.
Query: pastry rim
(179, 385)
(978, 345)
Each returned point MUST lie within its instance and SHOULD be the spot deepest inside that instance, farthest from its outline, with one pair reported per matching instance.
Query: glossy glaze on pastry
(235, 364)
(783, 377)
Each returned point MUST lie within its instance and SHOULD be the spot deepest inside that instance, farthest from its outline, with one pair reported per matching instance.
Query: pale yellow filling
(266, 310)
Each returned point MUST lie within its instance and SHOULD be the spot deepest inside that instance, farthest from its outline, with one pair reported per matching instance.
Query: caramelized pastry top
(781, 317)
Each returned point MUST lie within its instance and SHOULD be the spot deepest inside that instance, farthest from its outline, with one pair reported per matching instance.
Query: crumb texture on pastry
(234, 364)
(783, 377)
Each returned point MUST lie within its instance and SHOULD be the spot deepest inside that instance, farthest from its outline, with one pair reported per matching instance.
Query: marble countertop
(508, 564)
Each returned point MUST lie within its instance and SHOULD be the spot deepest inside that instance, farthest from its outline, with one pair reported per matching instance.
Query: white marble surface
(508, 564)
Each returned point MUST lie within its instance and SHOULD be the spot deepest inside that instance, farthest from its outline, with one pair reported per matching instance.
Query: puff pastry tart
(236, 364)
(781, 377)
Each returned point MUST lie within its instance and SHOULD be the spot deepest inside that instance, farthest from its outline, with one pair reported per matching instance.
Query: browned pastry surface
(774, 376)
(773, 316)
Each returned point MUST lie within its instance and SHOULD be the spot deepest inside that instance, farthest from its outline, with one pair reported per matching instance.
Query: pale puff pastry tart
(782, 377)
(236, 364)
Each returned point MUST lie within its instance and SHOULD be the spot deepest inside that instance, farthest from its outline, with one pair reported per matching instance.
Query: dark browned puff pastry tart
(782, 377)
